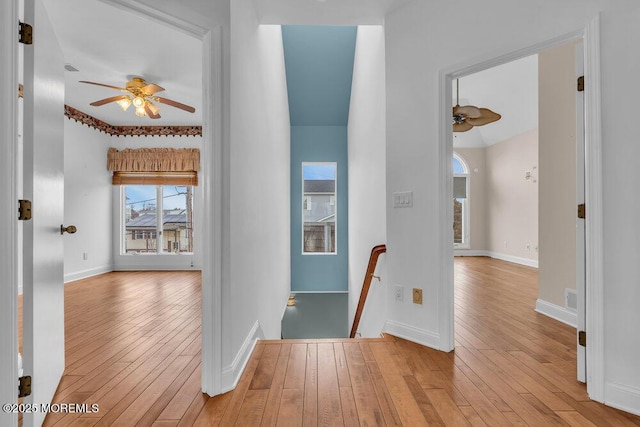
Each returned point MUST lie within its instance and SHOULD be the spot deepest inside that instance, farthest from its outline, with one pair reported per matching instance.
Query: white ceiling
(510, 90)
(325, 12)
(109, 45)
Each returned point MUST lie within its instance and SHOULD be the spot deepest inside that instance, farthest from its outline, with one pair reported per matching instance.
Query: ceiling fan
(139, 93)
(468, 116)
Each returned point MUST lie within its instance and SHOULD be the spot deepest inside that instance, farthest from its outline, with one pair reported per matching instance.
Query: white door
(580, 222)
(43, 302)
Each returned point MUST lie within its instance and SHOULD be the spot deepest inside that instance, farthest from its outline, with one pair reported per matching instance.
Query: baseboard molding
(623, 397)
(231, 374)
(90, 272)
(497, 255)
(561, 314)
(155, 267)
(469, 252)
(411, 333)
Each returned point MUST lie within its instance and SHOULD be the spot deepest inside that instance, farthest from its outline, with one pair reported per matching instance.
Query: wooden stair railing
(371, 268)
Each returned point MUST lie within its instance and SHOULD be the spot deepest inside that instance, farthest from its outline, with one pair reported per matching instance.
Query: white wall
(557, 173)
(512, 201)
(418, 45)
(87, 202)
(257, 284)
(160, 261)
(367, 178)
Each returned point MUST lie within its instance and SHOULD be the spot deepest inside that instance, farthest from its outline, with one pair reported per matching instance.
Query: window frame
(466, 203)
(159, 230)
(302, 207)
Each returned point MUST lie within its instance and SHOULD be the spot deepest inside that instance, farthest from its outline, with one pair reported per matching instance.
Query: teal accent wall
(319, 70)
(326, 272)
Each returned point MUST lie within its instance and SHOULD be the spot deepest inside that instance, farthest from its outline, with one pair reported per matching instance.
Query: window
(319, 208)
(460, 202)
(144, 233)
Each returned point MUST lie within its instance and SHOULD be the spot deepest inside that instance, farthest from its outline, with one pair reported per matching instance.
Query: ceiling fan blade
(462, 127)
(102, 84)
(108, 100)
(151, 88)
(467, 110)
(150, 113)
(486, 117)
(175, 104)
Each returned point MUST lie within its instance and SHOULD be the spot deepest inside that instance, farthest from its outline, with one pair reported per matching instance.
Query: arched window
(460, 202)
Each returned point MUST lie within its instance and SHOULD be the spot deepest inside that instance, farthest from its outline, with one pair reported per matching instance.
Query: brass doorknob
(69, 229)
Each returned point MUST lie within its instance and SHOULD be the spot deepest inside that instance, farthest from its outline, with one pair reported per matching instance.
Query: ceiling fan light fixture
(138, 102)
(154, 108)
(140, 112)
(124, 103)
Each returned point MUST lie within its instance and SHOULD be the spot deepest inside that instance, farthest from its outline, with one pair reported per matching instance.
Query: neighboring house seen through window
(319, 208)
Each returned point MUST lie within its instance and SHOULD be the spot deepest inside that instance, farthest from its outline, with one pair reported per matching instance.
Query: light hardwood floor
(133, 347)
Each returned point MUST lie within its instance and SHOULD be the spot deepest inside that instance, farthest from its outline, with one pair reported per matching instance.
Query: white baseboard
(90, 272)
(231, 374)
(411, 333)
(155, 267)
(469, 252)
(561, 314)
(497, 255)
(622, 397)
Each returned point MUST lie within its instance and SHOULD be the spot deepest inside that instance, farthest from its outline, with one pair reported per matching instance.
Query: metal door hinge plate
(582, 338)
(581, 84)
(24, 386)
(26, 33)
(582, 211)
(24, 210)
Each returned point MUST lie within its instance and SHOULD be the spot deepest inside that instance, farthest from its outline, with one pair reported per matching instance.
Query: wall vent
(571, 299)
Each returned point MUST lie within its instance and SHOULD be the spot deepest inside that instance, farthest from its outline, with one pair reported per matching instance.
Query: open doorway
(592, 173)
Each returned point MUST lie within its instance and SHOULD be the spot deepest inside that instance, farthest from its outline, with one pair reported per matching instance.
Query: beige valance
(153, 160)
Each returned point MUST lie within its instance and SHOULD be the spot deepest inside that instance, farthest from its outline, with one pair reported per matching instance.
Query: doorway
(593, 191)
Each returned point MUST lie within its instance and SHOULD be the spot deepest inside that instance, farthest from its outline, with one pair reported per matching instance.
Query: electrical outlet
(85, 256)
(399, 292)
(417, 296)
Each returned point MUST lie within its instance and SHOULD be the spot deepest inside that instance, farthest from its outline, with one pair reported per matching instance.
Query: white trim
(497, 255)
(470, 252)
(318, 292)
(154, 267)
(622, 397)
(215, 169)
(593, 191)
(8, 195)
(90, 272)
(594, 221)
(232, 373)
(163, 18)
(514, 259)
(411, 333)
(561, 314)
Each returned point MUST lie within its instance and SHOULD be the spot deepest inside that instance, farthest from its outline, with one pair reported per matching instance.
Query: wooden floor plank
(329, 404)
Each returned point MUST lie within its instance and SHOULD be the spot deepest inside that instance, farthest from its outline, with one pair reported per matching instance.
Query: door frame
(8, 208)
(214, 169)
(590, 35)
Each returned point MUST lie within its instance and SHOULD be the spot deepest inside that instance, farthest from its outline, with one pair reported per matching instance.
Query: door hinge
(24, 386)
(24, 210)
(581, 84)
(582, 338)
(26, 33)
(582, 211)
